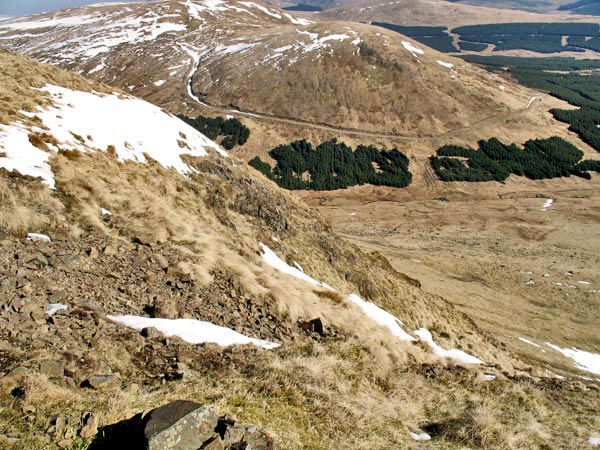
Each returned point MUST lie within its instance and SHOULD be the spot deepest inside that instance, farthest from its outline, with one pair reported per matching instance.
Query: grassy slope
(363, 391)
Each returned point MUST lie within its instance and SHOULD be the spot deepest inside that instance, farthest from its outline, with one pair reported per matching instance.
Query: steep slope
(243, 55)
(183, 231)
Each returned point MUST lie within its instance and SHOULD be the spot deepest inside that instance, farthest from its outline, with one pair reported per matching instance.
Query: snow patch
(105, 212)
(590, 362)
(36, 237)
(297, 21)
(455, 354)
(98, 68)
(547, 204)
(192, 331)
(261, 8)
(271, 258)
(53, 308)
(595, 441)
(414, 50)
(159, 83)
(18, 154)
(382, 317)
(447, 65)
(527, 341)
(420, 436)
(235, 48)
(149, 130)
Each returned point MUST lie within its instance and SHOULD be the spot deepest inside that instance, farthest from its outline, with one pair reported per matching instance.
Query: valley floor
(521, 268)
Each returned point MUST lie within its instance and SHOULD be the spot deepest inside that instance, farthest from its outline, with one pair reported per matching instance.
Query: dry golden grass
(366, 391)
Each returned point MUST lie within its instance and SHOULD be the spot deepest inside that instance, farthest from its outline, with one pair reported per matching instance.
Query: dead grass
(326, 396)
(334, 296)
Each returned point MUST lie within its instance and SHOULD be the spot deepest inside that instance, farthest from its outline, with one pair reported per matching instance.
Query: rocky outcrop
(182, 425)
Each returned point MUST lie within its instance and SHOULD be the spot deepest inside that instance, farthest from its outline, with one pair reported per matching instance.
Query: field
(517, 269)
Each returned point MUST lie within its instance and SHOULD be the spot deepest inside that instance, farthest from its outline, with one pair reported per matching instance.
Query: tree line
(494, 161)
(334, 165)
(233, 131)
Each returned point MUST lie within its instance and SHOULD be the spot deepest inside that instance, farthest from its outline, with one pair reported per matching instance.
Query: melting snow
(595, 441)
(262, 8)
(527, 341)
(55, 22)
(149, 130)
(105, 212)
(192, 331)
(319, 42)
(159, 83)
(547, 204)
(382, 317)
(447, 65)
(235, 48)
(583, 360)
(98, 68)
(502, 88)
(584, 282)
(297, 21)
(98, 39)
(420, 436)
(77, 115)
(271, 258)
(373, 311)
(411, 48)
(36, 237)
(53, 308)
(458, 355)
(17, 153)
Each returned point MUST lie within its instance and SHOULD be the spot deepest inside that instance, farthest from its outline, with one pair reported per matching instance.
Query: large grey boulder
(181, 425)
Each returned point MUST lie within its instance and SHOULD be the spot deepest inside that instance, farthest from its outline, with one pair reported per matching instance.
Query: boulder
(181, 425)
(52, 369)
(89, 425)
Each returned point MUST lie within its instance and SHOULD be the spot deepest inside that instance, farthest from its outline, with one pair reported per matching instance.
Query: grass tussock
(328, 396)
(26, 205)
(334, 296)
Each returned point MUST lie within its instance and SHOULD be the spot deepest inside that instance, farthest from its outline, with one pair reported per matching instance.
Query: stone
(180, 425)
(99, 381)
(132, 388)
(89, 422)
(93, 253)
(52, 369)
(17, 374)
(165, 308)
(314, 326)
(162, 262)
(151, 333)
(216, 444)
(110, 250)
(246, 436)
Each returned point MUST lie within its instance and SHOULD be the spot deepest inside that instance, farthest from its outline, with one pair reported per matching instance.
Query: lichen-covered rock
(180, 425)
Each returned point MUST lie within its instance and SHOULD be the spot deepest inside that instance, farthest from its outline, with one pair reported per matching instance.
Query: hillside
(192, 54)
(104, 226)
(440, 13)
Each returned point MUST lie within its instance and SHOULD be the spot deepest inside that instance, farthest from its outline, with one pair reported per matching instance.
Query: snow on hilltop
(85, 121)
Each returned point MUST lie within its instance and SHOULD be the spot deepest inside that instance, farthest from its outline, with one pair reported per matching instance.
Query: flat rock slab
(181, 425)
